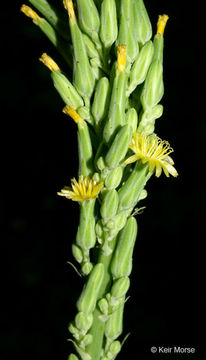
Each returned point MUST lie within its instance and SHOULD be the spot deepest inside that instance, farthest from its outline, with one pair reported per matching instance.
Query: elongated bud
(122, 260)
(116, 116)
(101, 100)
(147, 121)
(54, 16)
(132, 119)
(88, 297)
(109, 204)
(126, 29)
(113, 179)
(83, 76)
(159, 38)
(85, 149)
(143, 28)
(66, 90)
(119, 147)
(91, 50)
(86, 340)
(120, 287)
(49, 62)
(103, 306)
(88, 18)
(109, 28)
(130, 191)
(113, 328)
(86, 236)
(140, 67)
(153, 89)
(29, 12)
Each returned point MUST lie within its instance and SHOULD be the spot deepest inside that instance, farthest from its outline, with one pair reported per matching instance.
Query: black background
(39, 156)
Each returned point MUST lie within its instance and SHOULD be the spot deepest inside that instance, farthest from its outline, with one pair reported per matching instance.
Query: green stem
(97, 330)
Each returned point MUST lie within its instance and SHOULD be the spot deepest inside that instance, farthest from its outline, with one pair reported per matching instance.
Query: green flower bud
(73, 357)
(126, 29)
(116, 116)
(119, 146)
(77, 253)
(130, 191)
(113, 327)
(114, 177)
(120, 287)
(56, 17)
(84, 80)
(91, 49)
(84, 149)
(88, 18)
(86, 236)
(142, 25)
(143, 195)
(114, 349)
(87, 268)
(153, 89)
(66, 90)
(74, 331)
(83, 322)
(84, 112)
(122, 260)
(109, 28)
(117, 223)
(140, 67)
(103, 306)
(99, 229)
(88, 297)
(132, 119)
(87, 339)
(148, 117)
(101, 100)
(109, 204)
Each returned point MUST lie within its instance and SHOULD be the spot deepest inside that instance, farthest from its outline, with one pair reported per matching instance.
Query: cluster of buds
(114, 99)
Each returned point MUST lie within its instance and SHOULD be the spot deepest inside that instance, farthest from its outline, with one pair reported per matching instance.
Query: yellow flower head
(29, 12)
(82, 190)
(155, 152)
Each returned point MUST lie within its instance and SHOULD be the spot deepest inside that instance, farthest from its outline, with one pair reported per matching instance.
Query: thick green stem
(97, 330)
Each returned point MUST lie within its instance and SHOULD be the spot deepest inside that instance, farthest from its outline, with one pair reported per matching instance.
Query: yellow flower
(155, 152)
(82, 190)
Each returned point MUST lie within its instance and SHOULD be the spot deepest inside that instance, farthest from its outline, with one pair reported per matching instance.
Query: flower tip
(69, 6)
(121, 57)
(162, 21)
(26, 10)
(70, 111)
(49, 62)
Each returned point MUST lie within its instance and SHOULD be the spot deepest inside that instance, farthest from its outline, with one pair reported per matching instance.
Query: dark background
(39, 156)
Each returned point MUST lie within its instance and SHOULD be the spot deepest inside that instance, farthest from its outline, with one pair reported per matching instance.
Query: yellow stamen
(121, 57)
(29, 12)
(153, 151)
(69, 110)
(162, 20)
(69, 6)
(84, 189)
(49, 62)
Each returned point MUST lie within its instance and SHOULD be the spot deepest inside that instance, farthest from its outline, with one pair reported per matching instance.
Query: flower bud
(77, 253)
(114, 177)
(101, 100)
(119, 146)
(142, 25)
(120, 287)
(121, 264)
(88, 297)
(109, 204)
(86, 236)
(109, 27)
(113, 327)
